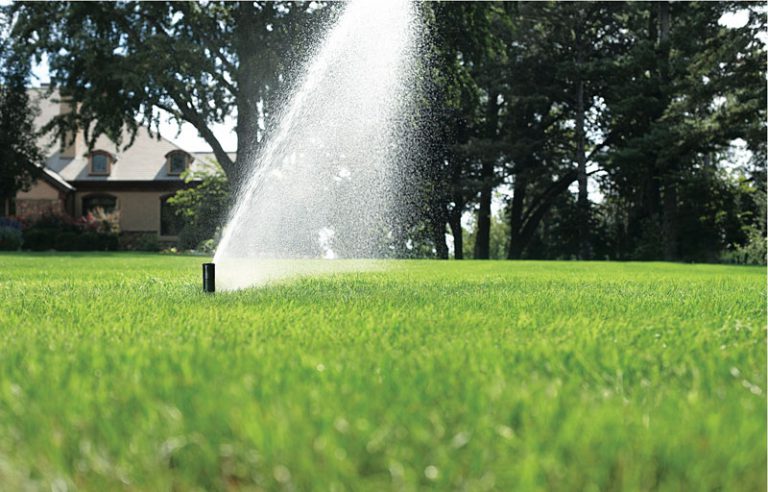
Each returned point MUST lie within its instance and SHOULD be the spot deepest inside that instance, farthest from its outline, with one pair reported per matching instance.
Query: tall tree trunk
(652, 196)
(483, 237)
(670, 222)
(585, 250)
(669, 199)
(248, 91)
(515, 246)
(582, 201)
(458, 239)
(537, 210)
(664, 26)
(441, 247)
(454, 221)
(438, 235)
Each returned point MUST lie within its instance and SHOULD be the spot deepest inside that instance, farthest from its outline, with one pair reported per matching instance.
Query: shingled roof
(145, 160)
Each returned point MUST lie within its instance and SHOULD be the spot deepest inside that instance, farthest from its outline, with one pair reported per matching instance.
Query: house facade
(136, 181)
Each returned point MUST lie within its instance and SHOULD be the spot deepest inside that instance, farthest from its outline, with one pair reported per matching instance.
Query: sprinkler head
(209, 277)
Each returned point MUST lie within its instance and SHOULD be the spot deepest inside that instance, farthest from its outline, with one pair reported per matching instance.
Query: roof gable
(144, 160)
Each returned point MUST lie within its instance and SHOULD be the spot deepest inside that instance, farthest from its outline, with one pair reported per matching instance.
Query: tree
(681, 101)
(526, 99)
(489, 55)
(19, 156)
(565, 59)
(451, 118)
(125, 63)
(534, 70)
(201, 207)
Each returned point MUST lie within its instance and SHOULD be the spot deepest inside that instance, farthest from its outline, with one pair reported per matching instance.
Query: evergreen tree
(682, 100)
(19, 156)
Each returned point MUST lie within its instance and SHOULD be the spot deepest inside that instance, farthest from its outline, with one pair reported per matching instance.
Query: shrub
(148, 242)
(754, 252)
(11, 222)
(43, 233)
(202, 207)
(98, 220)
(88, 241)
(10, 238)
(54, 221)
(61, 233)
(207, 246)
(108, 242)
(190, 236)
(66, 241)
(39, 239)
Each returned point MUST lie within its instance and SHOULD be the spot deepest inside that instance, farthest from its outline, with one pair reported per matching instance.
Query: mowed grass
(118, 373)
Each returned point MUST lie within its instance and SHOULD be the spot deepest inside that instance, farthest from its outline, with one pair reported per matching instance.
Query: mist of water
(324, 191)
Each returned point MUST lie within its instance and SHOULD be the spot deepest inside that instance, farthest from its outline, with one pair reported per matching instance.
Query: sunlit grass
(117, 372)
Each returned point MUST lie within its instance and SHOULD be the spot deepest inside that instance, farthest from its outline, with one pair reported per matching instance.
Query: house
(136, 181)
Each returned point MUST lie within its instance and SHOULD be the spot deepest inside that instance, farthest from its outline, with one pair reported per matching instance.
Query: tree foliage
(19, 155)
(201, 207)
(645, 97)
(532, 101)
(127, 64)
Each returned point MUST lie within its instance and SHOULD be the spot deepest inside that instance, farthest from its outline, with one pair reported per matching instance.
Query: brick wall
(30, 207)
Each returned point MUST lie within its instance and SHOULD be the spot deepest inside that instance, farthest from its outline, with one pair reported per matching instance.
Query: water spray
(326, 183)
(209, 277)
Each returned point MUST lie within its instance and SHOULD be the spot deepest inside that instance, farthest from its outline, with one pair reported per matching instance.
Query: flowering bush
(53, 221)
(99, 220)
(94, 232)
(12, 222)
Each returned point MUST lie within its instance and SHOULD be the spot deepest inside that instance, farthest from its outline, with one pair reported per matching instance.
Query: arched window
(106, 202)
(170, 223)
(100, 163)
(177, 161)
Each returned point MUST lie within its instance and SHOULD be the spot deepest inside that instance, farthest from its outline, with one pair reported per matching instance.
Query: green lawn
(117, 372)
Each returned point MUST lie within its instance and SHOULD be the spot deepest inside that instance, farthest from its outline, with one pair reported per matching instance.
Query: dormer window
(100, 163)
(177, 162)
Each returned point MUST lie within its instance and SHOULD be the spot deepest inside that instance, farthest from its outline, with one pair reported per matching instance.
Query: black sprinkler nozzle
(209, 277)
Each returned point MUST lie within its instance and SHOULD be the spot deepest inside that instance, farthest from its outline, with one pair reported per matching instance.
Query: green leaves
(202, 206)
(127, 64)
(19, 155)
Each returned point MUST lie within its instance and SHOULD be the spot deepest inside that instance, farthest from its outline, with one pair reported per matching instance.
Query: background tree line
(530, 103)
(644, 99)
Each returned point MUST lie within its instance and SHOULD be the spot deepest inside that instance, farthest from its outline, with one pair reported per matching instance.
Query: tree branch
(160, 29)
(188, 113)
(544, 200)
(600, 146)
